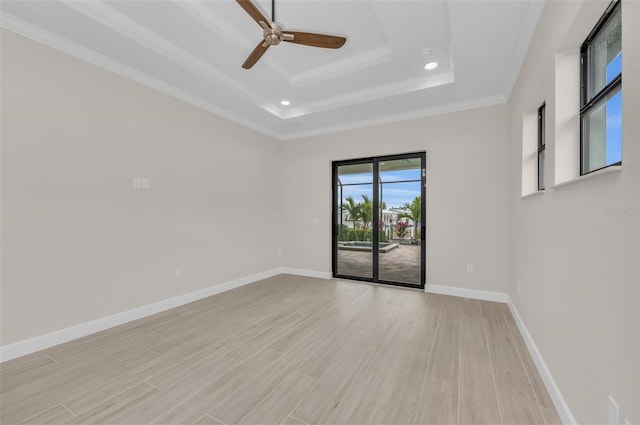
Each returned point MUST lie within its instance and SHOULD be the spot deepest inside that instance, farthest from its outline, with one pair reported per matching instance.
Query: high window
(541, 146)
(601, 93)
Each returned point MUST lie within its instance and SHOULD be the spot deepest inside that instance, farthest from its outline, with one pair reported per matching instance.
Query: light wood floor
(290, 350)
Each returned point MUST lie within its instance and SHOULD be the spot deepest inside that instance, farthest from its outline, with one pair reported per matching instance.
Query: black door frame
(376, 217)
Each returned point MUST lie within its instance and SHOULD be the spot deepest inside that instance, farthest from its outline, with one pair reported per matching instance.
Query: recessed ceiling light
(285, 103)
(431, 65)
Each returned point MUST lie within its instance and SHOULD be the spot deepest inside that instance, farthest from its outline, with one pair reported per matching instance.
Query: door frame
(375, 160)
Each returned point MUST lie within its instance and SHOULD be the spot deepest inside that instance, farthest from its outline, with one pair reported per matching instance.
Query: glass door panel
(400, 211)
(354, 241)
(379, 219)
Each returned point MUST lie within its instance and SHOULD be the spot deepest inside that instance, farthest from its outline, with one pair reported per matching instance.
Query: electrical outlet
(469, 268)
(613, 412)
(145, 183)
(177, 273)
(279, 252)
(137, 182)
(519, 287)
(316, 220)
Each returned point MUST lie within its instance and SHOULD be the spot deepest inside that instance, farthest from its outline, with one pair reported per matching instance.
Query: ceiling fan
(274, 33)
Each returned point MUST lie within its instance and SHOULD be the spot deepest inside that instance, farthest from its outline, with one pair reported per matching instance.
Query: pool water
(367, 244)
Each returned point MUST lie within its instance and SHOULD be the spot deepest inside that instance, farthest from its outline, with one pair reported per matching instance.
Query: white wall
(465, 201)
(575, 249)
(78, 242)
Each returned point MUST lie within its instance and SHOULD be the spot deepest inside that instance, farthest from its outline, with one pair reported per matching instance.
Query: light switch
(316, 220)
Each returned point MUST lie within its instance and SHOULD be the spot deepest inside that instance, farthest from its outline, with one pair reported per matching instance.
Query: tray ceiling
(193, 50)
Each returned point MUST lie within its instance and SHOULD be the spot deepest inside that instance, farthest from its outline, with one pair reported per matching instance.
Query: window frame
(541, 143)
(587, 105)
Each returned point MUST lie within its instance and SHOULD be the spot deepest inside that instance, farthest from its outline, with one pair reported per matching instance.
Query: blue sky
(614, 114)
(393, 194)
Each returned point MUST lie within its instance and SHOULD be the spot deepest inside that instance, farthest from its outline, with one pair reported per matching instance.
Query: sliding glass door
(355, 215)
(379, 219)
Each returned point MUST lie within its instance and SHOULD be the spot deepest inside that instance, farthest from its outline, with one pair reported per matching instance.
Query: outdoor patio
(401, 264)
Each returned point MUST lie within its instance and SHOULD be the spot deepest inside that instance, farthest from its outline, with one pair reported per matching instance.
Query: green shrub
(347, 234)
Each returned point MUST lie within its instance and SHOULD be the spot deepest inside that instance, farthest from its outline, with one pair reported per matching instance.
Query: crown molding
(25, 29)
(16, 25)
(371, 93)
(361, 96)
(405, 116)
(279, 123)
(116, 21)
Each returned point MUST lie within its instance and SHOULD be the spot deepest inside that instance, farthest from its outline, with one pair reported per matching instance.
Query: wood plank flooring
(290, 350)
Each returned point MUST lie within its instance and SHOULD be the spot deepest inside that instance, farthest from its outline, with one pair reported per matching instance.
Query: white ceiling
(194, 50)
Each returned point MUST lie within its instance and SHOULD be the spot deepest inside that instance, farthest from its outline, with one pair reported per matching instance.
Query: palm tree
(366, 213)
(381, 207)
(415, 212)
(354, 212)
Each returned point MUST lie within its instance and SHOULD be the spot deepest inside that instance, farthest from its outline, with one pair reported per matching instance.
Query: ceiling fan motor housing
(272, 34)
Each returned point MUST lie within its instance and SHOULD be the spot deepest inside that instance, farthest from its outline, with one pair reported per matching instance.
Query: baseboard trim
(307, 273)
(500, 297)
(42, 342)
(556, 396)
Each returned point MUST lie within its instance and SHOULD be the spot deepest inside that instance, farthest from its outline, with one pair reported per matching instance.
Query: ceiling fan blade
(255, 55)
(316, 40)
(253, 11)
